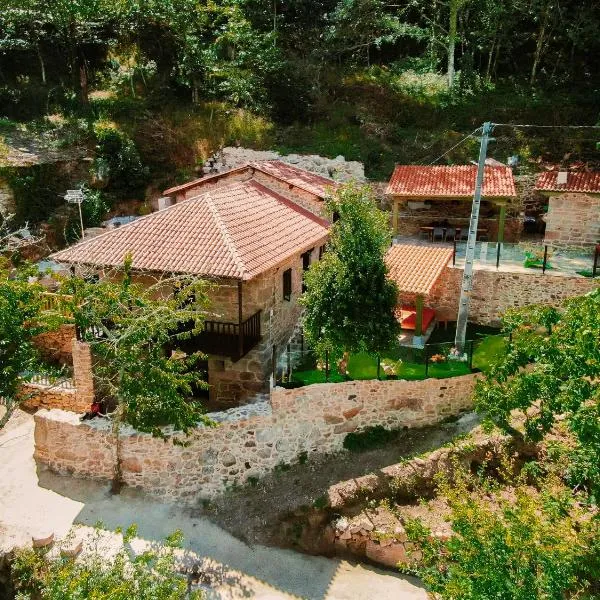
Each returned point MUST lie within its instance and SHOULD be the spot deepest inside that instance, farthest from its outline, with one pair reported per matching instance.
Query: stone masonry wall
(56, 345)
(233, 382)
(53, 396)
(573, 220)
(496, 291)
(249, 441)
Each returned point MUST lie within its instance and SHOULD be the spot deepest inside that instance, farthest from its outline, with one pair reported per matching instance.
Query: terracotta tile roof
(576, 182)
(416, 268)
(236, 231)
(310, 182)
(301, 178)
(450, 181)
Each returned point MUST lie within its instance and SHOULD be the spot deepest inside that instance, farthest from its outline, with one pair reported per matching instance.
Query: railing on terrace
(530, 257)
(224, 338)
(56, 303)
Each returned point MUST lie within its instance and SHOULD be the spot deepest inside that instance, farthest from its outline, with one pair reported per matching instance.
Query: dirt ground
(253, 513)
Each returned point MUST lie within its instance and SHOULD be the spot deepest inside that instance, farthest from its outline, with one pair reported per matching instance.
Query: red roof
(415, 181)
(236, 231)
(576, 182)
(310, 182)
(416, 268)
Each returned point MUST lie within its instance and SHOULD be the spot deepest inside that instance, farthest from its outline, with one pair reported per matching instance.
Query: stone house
(573, 217)
(423, 195)
(251, 232)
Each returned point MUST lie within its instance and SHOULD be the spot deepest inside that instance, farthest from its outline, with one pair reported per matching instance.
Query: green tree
(21, 320)
(551, 375)
(515, 544)
(132, 329)
(349, 300)
(151, 575)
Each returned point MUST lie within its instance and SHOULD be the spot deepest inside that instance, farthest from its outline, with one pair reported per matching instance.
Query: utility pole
(467, 281)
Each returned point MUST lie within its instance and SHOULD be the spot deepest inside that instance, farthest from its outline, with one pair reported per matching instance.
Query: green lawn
(364, 366)
(489, 350)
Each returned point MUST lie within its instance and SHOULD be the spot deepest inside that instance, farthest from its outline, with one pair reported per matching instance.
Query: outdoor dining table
(429, 231)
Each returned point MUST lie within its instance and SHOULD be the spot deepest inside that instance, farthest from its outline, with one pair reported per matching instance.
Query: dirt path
(254, 512)
(33, 503)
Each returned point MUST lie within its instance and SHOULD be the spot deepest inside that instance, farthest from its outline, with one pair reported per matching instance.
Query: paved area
(33, 503)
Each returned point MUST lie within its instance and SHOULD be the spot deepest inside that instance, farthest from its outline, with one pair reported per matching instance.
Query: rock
(71, 548)
(389, 556)
(341, 524)
(227, 459)
(41, 540)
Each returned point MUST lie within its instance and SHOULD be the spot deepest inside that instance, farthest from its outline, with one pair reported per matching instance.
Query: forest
(153, 87)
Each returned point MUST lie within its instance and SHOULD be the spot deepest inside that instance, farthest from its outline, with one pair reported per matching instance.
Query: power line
(455, 146)
(529, 125)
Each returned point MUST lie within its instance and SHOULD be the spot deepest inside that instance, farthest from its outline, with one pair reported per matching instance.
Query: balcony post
(240, 321)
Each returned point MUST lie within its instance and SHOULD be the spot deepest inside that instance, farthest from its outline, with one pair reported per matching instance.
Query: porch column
(419, 318)
(395, 216)
(240, 321)
(501, 219)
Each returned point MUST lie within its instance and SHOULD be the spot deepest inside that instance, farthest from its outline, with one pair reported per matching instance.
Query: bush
(369, 438)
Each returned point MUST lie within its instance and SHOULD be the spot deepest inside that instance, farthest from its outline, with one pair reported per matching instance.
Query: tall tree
(349, 300)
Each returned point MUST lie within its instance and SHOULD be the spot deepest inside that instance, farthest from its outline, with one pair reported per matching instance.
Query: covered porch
(416, 269)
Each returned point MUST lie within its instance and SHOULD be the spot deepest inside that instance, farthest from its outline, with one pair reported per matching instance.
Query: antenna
(76, 197)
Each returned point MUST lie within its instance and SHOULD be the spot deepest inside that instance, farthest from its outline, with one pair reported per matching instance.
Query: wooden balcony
(223, 338)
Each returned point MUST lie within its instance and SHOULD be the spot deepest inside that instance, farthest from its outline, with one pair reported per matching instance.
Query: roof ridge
(290, 203)
(225, 234)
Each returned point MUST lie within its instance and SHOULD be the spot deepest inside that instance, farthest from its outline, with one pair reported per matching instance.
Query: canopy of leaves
(514, 543)
(551, 373)
(132, 329)
(349, 300)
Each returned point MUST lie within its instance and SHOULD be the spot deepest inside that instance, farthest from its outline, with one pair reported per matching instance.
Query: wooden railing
(224, 338)
(56, 303)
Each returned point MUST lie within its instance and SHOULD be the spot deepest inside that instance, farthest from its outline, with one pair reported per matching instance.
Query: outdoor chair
(450, 234)
(438, 232)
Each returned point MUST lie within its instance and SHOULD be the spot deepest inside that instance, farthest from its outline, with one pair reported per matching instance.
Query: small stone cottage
(573, 217)
(252, 232)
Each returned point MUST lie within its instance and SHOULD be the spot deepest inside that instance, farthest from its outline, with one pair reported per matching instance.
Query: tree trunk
(489, 62)
(42, 65)
(83, 80)
(117, 482)
(452, 40)
(539, 47)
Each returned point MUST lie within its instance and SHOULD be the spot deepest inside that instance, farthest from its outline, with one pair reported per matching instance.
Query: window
(287, 284)
(305, 266)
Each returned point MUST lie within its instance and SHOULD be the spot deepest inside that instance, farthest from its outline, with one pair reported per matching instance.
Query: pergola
(439, 183)
(416, 269)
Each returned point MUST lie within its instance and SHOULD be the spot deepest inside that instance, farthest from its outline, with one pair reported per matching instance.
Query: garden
(438, 359)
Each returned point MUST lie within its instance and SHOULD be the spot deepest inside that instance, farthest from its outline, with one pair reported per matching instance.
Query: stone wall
(235, 382)
(56, 346)
(496, 291)
(249, 441)
(573, 220)
(51, 396)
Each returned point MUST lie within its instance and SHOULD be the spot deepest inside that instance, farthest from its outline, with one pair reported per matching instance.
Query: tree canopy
(551, 374)
(349, 300)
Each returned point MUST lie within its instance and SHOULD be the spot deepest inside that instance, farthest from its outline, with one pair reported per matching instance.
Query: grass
(488, 352)
(409, 363)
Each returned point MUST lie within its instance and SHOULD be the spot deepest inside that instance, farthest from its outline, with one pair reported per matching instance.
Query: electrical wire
(455, 146)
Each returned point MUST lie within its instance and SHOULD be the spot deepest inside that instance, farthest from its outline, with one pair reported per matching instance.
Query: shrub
(369, 438)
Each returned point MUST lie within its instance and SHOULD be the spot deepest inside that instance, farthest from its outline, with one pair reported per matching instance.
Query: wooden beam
(501, 220)
(395, 217)
(419, 316)
(240, 320)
